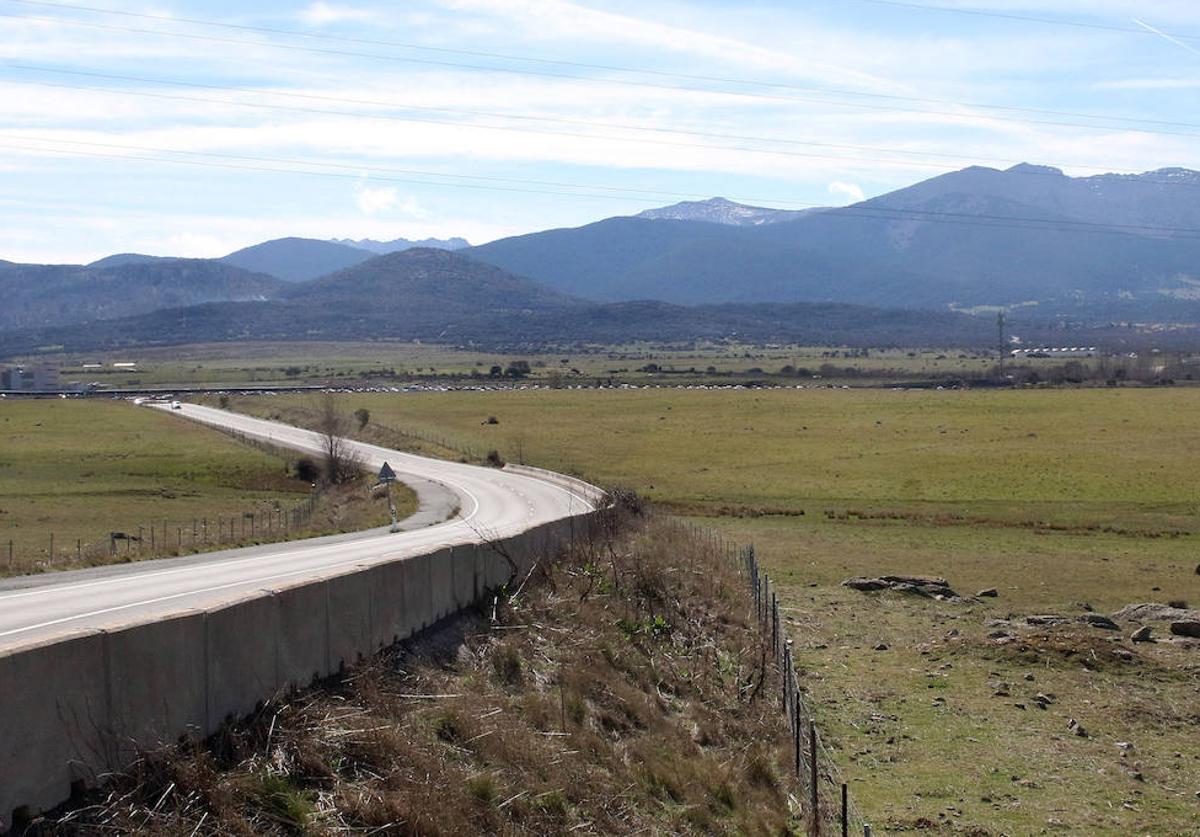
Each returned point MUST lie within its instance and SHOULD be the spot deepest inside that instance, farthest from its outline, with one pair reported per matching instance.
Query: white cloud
(852, 192)
(378, 199)
(321, 13)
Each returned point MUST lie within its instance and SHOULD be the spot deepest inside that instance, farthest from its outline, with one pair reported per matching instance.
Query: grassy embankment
(83, 469)
(619, 691)
(1060, 499)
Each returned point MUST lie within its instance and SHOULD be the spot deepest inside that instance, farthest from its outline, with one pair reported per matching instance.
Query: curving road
(481, 503)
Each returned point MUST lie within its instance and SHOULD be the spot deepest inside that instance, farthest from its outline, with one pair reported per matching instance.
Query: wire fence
(825, 801)
(269, 520)
(162, 538)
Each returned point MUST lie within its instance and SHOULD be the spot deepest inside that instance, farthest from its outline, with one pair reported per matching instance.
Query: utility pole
(1000, 341)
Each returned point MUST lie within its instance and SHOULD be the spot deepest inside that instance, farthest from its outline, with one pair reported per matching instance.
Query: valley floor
(1067, 502)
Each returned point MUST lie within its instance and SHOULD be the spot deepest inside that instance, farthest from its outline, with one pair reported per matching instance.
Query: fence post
(152, 546)
(775, 626)
(812, 764)
(10, 553)
(866, 829)
(52, 548)
(79, 549)
(796, 733)
(845, 811)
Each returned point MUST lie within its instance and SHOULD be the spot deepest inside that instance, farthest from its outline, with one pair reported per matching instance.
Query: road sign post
(387, 476)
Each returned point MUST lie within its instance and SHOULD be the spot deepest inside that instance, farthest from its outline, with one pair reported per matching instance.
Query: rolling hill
(297, 259)
(440, 296)
(60, 295)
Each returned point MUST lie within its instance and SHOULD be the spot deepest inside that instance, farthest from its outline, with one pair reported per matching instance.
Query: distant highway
(481, 503)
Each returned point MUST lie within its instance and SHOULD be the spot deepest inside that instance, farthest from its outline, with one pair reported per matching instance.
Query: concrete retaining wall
(75, 709)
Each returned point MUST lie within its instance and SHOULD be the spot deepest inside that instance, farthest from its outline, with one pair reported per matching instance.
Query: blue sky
(187, 128)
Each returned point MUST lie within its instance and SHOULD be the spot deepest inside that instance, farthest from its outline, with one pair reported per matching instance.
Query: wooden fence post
(845, 810)
(813, 776)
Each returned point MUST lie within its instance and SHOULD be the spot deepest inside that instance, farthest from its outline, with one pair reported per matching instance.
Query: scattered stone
(1142, 634)
(998, 635)
(1122, 654)
(1046, 698)
(920, 585)
(989, 593)
(883, 646)
(1046, 619)
(1020, 706)
(1124, 745)
(1155, 612)
(1001, 691)
(1077, 728)
(1186, 627)
(1030, 678)
(1098, 620)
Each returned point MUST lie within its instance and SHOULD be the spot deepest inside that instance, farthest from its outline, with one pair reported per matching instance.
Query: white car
(175, 405)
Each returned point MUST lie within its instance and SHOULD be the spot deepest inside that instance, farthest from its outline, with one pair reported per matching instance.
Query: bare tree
(341, 464)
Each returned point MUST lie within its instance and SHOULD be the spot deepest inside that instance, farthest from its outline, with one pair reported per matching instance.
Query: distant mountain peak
(1032, 168)
(722, 211)
(398, 244)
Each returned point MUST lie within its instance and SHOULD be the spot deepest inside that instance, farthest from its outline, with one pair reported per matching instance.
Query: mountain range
(1055, 249)
(396, 245)
(441, 296)
(1109, 245)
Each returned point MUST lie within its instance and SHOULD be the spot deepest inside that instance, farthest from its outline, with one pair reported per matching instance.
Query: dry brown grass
(615, 695)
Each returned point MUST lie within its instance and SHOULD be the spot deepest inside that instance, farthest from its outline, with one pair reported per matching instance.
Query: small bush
(1179, 603)
(576, 709)
(446, 727)
(493, 459)
(307, 470)
(362, 415)
(223, 402)
(482, 788)
(506, 662)
(283, 802)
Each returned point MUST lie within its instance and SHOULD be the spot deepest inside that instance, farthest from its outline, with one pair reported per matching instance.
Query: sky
(193, 129)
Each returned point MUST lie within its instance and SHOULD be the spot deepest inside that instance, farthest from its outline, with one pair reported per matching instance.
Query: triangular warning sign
(386, 474)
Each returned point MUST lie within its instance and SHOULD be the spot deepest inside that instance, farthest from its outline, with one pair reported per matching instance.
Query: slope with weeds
(621, 687)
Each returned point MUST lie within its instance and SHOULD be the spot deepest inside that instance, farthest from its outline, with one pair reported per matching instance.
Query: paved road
(485, 503)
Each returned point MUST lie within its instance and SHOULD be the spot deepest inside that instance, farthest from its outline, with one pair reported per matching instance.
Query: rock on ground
(1154, 612)
(920, 585)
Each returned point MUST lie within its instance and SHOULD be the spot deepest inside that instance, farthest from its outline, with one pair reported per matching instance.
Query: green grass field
(1058, 498)
(82, 469)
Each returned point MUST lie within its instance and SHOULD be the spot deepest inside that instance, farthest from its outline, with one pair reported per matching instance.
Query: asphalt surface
(458, 504)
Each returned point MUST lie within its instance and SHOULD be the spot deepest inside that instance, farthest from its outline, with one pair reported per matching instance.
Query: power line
(940, 167)
(1076, 24)
(811, 89)
(372, 170)
(856, 211)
